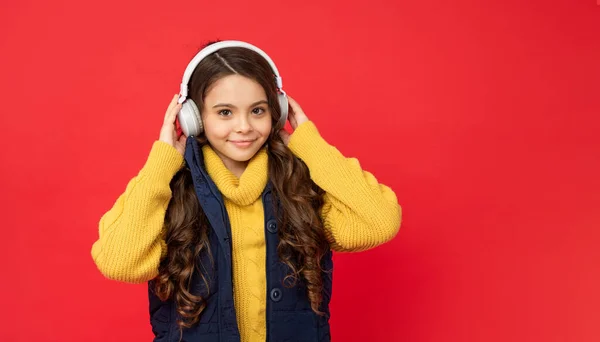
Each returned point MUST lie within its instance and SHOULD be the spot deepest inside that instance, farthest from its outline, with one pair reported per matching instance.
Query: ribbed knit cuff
(163, 162)
(306, 142)
(328, 166)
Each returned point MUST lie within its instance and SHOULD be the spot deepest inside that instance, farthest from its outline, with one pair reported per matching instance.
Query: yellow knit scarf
(245, 190)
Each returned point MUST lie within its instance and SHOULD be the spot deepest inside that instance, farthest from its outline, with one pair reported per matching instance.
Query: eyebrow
(232, 106)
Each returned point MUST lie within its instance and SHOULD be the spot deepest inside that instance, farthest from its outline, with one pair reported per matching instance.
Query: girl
(233, 228)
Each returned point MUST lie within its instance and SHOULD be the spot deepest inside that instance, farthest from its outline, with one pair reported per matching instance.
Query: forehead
(235, 89)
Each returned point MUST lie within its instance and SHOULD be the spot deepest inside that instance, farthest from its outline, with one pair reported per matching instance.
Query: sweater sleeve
(131, 239)
(358, 212)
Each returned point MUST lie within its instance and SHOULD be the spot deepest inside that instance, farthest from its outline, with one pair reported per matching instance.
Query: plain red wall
(482, 116)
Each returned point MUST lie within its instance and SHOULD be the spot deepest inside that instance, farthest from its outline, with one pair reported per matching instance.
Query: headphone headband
(215, 47)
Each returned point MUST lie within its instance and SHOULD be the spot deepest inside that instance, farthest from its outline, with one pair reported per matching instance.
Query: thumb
(285, 136)
(182, 138)
(180, 144)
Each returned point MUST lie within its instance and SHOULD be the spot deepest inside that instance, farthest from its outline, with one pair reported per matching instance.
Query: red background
(481, 115)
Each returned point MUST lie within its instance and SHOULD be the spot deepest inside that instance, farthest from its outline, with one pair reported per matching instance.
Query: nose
(243, 125)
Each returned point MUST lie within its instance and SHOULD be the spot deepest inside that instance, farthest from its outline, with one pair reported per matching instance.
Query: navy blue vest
(289, 316)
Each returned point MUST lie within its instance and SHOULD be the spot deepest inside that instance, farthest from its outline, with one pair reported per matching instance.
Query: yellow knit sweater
(358, 214)
(245, 209)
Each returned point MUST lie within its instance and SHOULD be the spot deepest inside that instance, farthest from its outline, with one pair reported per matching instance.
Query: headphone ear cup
(283, 105)
(189, 118)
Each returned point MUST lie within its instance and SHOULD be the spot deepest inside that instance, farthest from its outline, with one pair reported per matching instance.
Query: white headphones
(189, 115)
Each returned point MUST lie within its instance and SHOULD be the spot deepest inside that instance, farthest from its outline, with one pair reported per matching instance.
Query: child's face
(236, 118)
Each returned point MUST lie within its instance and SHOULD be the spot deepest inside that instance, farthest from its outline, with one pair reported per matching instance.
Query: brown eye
(258, 111)
(225, 112)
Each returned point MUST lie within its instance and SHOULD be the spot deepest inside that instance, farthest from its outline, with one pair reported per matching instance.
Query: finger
(295, 106)
(292, 117)
(178, 132)
(171, 105)
(285, 136)
(173, 102)
(172, 116)
(293, 121)
(291, 112)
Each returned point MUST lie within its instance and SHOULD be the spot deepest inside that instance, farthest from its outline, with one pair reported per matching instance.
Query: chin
(240, 155)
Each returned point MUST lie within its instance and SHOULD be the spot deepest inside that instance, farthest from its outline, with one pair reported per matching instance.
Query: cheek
(215, 130)
(264, 127)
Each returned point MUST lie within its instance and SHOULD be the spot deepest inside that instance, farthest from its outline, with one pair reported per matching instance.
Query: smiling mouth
(242, 143)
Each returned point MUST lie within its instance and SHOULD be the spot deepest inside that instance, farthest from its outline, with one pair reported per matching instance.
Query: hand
(296, 118)
(169, 132)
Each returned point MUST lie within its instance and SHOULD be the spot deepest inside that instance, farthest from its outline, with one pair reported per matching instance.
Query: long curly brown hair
(302, 241)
